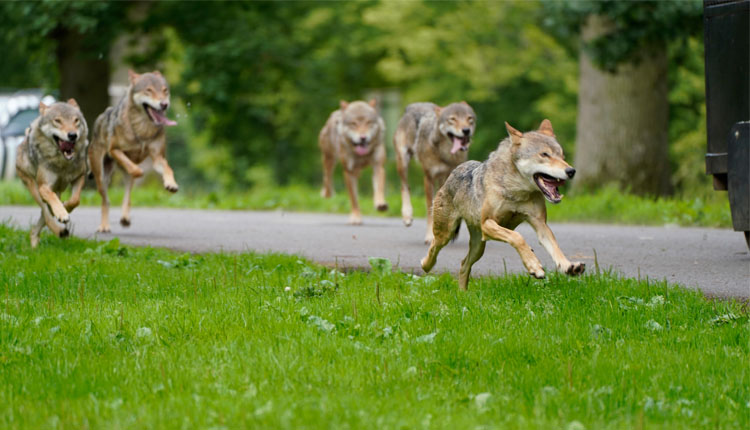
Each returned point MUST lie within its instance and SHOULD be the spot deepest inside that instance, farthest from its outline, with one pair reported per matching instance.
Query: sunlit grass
(605, 205)
(99, 335)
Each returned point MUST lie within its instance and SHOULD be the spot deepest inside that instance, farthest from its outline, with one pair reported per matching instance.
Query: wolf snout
(362, 139)
(164, 105)
(466, 131)
(72, 136)
(570, 172)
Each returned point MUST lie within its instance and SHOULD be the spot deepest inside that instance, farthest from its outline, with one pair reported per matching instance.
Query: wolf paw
(125, 222)
(407, 221)
(325, 193)
(428, 238)
(172, 188)
(382, 207)
(426, 265)
(63, 217)
(355, 219)
(576, 268)
(103, 229)
(135, 172)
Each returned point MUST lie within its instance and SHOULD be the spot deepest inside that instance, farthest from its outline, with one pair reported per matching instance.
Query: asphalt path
(714, 260)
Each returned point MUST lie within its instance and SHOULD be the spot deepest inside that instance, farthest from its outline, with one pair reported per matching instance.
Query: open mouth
(158, 116)
(67, 147)
(548, 185)
(361, 148)
(460, 143)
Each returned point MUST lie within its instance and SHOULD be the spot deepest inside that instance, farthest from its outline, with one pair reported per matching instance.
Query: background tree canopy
(254, 81)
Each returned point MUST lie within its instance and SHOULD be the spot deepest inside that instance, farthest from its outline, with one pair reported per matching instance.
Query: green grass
(606, 205)
(99, 335)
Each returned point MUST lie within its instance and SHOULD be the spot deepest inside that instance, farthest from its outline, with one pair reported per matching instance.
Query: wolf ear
(515, 135)
(132, 76)
(73, 103)
(156, 72)
(42, 108)
(463, 102)
(373, 103)
(546, 128)
(343, 105)
(438, 109)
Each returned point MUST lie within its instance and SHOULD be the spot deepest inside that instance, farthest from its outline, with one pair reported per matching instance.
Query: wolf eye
(76, 121)
(452, 119)
(545, 155)
(57, 121)
(471, 120)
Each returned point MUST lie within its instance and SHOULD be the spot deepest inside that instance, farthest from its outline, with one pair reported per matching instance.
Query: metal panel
(739, 176)
(727, 50)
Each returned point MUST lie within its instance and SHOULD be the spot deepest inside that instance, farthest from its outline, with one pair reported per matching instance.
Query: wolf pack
(491, 197)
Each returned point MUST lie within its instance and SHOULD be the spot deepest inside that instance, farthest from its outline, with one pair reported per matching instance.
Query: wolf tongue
(456, 144)
(161, 119)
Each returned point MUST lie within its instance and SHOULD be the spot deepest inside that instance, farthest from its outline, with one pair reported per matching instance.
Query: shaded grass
(606, 205)
(100, 335)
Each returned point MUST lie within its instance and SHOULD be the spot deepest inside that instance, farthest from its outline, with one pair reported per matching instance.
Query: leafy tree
(78, 34)
(623, 105)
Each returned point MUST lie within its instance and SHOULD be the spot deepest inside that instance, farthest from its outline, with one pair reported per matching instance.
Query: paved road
(716, 261)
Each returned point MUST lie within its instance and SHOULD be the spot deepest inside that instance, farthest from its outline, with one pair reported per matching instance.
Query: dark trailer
(727, 44)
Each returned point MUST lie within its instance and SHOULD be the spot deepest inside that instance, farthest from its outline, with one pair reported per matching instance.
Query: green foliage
(632, 26)
(271, 341)
(28, 32)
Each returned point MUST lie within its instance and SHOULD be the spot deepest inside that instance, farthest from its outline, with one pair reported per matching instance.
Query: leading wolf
(128, 133)
(51, 157)
(494, 197)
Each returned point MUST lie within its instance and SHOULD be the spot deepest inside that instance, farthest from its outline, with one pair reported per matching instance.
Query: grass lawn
(606, 205)
(99, 335)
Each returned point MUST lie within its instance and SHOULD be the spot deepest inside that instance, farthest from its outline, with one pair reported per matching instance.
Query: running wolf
(495, 196)
(128, 133)
(51, 157)
(354, 134)
(439, 138)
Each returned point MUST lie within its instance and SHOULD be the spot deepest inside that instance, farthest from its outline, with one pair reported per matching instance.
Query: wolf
(495, 196)
(439, 138)
(51, 157)
(354, 134)
(128, 133)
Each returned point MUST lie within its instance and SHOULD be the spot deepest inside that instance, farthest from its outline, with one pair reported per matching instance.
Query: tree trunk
(84, 75)
(623, 119)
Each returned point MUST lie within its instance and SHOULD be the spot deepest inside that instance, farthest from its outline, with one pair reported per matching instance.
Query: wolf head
(63, 124)
(359, 124)
(540, 159)
(457, 122)
(150, 91)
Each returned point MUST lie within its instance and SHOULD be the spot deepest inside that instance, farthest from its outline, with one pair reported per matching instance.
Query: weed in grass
(99, 339)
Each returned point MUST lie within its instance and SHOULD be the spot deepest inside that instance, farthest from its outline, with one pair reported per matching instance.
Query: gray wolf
(128, 133)
(495, 196)
(439, 138)
(354, 134)
(51, 157)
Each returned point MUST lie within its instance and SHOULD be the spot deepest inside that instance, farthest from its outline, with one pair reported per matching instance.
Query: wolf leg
(125, 216)
(126, 163)
(446, 223)
(47, 216)
(53, 200)
(548, 241)
(402, 166)
(428, 190)
(355, 217)
(101, 176)
(378, 184)
(491, 229)
(162, 167)
(329, 163)
(476, 250)
(36, 230)
(75, 196)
